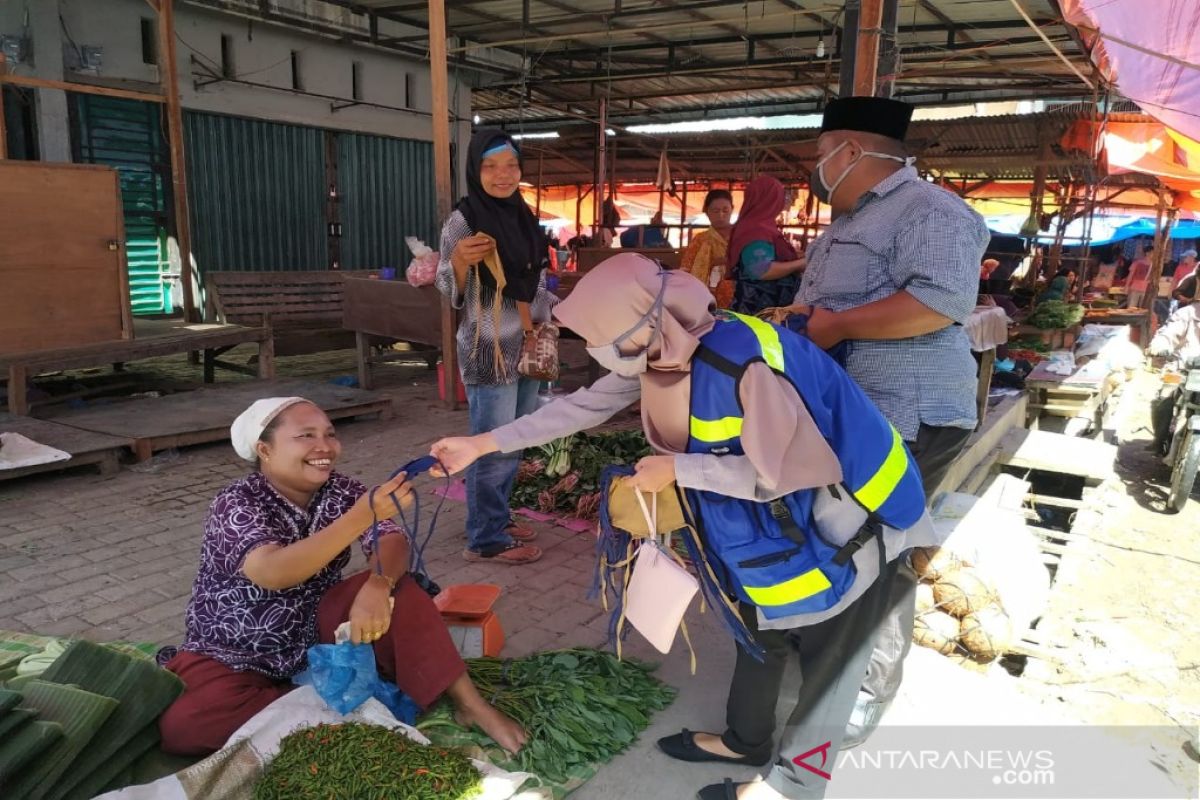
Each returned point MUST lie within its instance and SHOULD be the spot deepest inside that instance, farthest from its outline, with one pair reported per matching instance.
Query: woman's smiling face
(500, 173)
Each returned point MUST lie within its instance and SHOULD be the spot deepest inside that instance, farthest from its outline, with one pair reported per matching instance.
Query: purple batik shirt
(239, 623)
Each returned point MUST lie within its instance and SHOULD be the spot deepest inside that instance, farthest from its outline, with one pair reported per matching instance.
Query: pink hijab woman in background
(762, 262)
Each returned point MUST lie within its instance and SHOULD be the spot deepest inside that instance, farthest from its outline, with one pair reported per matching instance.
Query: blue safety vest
(772, 553)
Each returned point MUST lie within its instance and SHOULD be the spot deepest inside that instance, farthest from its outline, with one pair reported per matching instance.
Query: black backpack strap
(871, 528)
(720, 362)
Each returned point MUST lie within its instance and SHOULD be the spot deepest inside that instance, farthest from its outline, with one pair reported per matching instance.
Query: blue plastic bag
(345, 676)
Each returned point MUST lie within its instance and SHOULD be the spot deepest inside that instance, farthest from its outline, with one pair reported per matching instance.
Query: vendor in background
(896, 276)
(270, 586)
(1183, 291)
(1139, 278)
(1060, 286)
(762, 262)
(706, 254)
(652, 235)
(1179, 338)
(493, 220)
(610, 220)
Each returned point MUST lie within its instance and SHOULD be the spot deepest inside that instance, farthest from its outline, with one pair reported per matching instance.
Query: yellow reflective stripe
(876, 491)
(716, 430)
(791, 591)
(768, 340)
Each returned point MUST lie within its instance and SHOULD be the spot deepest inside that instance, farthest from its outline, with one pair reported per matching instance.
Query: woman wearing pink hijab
(762, 262)
(802, 427)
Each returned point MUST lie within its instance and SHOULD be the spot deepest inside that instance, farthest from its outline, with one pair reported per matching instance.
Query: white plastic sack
(18, 451)
(231, 772)
(989, 532)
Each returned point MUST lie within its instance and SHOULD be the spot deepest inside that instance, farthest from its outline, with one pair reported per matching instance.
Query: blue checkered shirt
(906, 235)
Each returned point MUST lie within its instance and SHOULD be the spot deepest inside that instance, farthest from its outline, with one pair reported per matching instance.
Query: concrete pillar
(53, 124)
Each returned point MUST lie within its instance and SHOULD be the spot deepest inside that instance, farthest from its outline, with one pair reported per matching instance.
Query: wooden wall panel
(62, 282)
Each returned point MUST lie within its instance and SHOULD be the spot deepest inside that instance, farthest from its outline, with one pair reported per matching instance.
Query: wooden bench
(303, 308)
(212, 340)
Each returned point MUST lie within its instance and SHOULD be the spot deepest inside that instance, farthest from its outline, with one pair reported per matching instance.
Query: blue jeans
(490, 479)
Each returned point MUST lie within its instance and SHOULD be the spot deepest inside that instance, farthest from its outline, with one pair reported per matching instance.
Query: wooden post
(1037, 197)
(441, 171)
(684, 230)
(3, 127)
(1162, 240)
(601, 165)
(578, 209)
(169, 78)
(866, 60)
(537, 211)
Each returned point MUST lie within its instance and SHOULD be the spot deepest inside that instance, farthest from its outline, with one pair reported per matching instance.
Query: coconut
(931, 563)
(987, 633)
(936, 630)
(925, 601)
(962, 591)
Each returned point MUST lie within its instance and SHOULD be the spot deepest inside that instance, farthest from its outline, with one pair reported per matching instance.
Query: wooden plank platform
(150, 424)
(212, 340)
(86, 447)
(1054, 452)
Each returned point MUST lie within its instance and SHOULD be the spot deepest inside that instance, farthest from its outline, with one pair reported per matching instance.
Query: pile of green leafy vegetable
(1056, 314)
(581, 707)
(564, 476)
(365, 761)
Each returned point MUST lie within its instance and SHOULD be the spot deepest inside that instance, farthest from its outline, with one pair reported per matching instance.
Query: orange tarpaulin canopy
(1150, 148)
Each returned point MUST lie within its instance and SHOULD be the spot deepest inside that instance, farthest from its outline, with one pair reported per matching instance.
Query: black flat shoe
(719, 791)
(682, 747)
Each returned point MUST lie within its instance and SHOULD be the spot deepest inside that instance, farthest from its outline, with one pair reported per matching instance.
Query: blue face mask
(609, 355)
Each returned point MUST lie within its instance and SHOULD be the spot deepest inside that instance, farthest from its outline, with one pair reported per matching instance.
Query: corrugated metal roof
(645, 54)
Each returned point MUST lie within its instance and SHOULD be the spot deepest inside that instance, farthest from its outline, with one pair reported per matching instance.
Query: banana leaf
(8, 700)
(14, 720)
(81, 715)
(22, 748)
(143, 689)
(117, 765)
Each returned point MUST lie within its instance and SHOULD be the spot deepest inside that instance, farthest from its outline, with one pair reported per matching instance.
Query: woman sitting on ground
(270, 586)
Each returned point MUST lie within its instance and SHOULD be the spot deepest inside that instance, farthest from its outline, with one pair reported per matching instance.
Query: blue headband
(500, 148)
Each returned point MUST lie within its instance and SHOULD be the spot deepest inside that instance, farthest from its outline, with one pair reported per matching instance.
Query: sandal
(520, 533)
(719, 791)
(513, 555)
(682, 747)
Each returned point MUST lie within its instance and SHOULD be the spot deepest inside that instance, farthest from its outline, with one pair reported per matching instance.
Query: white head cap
(250, 424)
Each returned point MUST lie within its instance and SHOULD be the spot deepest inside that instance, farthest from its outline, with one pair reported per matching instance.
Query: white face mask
(824, 190)
(609, 355)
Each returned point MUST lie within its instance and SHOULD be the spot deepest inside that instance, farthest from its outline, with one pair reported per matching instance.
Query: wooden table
(1137, 319)
(394, 311)
(1070, 396)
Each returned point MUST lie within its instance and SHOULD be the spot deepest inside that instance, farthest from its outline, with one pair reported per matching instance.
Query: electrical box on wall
(84, 58)
(15, 49)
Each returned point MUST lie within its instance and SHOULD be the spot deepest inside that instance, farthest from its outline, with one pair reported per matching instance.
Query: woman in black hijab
(493, 260)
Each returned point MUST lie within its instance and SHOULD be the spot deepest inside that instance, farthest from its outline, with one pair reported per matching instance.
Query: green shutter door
(126, 134)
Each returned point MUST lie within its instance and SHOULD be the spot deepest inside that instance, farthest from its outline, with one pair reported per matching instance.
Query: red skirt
(416, 653)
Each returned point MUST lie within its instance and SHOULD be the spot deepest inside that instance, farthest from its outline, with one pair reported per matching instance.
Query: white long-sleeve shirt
(1180, 336)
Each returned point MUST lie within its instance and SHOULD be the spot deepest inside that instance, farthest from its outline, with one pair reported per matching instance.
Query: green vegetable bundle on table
(365, 762)
(581, 707)
(1055, 314)
(564, 476)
